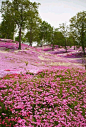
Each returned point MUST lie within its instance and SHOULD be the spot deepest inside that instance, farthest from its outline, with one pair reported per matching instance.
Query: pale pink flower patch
(33, 94)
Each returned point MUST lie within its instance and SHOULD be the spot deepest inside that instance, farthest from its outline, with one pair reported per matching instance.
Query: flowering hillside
(33, 59)
(41, 88)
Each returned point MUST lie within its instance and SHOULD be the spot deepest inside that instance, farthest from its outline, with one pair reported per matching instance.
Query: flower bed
(51, 98)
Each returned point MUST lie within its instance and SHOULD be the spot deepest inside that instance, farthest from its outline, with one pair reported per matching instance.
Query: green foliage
(7, 26)
(33, 29)
(58, 38)
(5, 112)
(46, 32)
(78, 28)
(64, 29)
(26, 62)
(33, 24)
(20, 12)
(7, 29)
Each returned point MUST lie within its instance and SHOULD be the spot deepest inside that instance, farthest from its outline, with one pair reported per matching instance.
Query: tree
(59, 39)
(20, 11)
(7, 25)
(23, 39)
(78, 23)
(6, 30)
(73, 34)
(46, 33)
(64, 29)
(71, 41)
(33, 28)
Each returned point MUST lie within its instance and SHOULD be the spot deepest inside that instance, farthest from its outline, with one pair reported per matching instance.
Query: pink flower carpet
(41, 88)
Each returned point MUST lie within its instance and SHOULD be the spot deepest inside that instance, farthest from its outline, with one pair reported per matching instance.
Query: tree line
(23, 15)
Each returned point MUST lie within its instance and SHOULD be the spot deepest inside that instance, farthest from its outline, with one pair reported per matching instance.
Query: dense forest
(22, 15)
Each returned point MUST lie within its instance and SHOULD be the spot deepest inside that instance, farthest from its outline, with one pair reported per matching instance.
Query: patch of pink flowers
(36, 91)
(51, 98)
(33, 59)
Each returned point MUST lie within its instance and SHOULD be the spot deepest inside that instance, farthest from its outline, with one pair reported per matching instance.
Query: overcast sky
(56, 12)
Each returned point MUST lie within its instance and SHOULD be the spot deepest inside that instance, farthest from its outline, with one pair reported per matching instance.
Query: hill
(40, 87)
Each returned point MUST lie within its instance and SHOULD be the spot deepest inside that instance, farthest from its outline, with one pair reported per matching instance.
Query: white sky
(56, 12)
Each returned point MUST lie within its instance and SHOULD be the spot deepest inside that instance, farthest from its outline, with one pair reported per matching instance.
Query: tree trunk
(82, 37)
(42, 41)
(65, 45)
(19, 38)
(30, 36)
(83, 48)
(74, 43)
(52, 46)
(7, 36)
(14, 36)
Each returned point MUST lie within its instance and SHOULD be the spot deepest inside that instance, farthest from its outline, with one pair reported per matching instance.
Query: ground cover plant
(34, 59)
(41, 88)
(54, 97)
